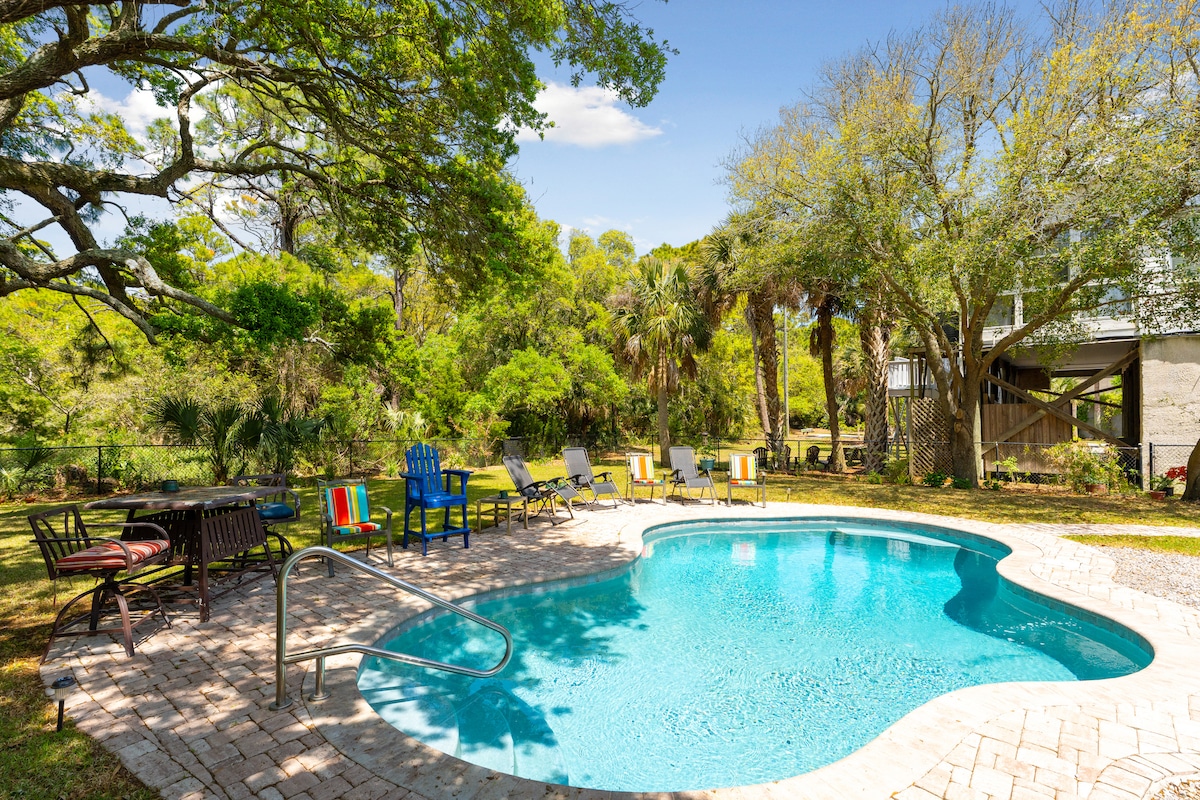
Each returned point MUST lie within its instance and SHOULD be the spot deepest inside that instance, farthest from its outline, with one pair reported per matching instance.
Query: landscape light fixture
(62, 687)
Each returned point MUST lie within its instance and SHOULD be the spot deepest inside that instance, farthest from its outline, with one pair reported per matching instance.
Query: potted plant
(707, 459)
(1160, 485)
(1172, 475)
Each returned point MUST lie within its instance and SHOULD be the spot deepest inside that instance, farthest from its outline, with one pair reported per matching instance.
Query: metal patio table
(209, 526)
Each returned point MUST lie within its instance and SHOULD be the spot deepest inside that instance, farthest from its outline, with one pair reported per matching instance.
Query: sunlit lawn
(37, 762)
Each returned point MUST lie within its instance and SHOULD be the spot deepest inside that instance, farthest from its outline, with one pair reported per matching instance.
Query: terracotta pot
(1156, 494)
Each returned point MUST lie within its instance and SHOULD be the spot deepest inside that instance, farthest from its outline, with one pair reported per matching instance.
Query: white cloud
(587, 117)
(137, 110)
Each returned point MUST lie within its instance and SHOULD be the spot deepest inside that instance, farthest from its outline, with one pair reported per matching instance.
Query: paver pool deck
(189, 713)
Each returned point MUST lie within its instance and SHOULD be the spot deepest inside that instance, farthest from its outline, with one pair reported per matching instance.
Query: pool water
(732, 654)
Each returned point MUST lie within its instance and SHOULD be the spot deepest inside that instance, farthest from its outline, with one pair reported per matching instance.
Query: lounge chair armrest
(604, 476)
(388, 512)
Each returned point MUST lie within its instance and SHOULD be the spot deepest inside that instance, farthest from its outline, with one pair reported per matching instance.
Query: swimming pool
(735, 653)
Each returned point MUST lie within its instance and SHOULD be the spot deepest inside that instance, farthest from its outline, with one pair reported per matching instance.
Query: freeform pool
(733, 654)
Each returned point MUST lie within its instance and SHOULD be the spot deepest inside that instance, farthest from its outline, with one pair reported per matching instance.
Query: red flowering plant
(1166, 481)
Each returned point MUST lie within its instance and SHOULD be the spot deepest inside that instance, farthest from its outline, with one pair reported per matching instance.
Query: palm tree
(219, 429)
(826, 303)
(725, 274)
(659, 328)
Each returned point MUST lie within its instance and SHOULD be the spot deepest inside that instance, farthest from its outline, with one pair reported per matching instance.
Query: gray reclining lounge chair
(579, 472)
(541, 493)
(685, 473)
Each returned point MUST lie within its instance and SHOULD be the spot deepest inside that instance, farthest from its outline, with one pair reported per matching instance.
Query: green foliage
(874, 478)
(1087, 463)
(270, 313)
(961, 483)
(936, 479)
(896, 471)
(395, 121)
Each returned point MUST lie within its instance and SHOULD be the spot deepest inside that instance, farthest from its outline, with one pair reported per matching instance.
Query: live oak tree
(400, 116)
(978, 159)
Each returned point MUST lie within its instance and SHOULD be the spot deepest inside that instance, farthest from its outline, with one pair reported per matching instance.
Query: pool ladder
(283, 658)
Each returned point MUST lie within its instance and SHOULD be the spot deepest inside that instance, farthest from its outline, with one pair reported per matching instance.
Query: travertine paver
(189, 712)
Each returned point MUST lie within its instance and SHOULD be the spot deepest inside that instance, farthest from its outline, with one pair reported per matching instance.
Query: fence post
(1146, 479)
(99, 469)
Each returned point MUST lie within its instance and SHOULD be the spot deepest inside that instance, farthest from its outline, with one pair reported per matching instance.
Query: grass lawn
(37, 762)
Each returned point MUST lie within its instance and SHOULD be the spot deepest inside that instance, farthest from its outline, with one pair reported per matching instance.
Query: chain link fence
(107, 468)
(1163, 457)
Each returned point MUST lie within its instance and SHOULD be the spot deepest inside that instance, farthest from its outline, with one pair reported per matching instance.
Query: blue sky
(655, 172)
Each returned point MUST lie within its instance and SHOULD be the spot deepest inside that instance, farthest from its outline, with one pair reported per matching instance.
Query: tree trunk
(764, 323)
(825, 345)
(664, 432)
(875, 339)
(399, 279)
(965, 450)
(764, 416)
(1191, 490)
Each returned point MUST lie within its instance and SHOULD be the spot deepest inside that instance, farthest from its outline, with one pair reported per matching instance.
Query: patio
(188, 714)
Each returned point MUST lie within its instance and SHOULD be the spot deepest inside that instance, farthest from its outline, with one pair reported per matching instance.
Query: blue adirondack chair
(427, 487)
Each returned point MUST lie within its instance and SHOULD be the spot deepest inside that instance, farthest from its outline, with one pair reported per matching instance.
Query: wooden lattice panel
(930, 442)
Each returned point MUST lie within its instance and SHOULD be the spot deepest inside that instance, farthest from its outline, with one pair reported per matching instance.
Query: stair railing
(283, 658)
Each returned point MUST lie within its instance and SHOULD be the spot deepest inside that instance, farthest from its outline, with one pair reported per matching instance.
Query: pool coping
(893, 762)
(190, 713)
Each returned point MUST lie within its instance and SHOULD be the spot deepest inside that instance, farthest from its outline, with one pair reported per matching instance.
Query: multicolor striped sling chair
(743, 474)
(346, 514)
(641, 473)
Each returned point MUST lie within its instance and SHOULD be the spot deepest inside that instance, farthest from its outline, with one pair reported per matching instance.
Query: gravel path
(1168, 575)
(1184, 790)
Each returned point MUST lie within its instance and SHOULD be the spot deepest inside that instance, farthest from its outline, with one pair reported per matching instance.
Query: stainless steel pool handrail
(282, 658)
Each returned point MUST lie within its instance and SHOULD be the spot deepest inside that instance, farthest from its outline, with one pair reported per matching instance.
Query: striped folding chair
(641, 473)
(743, 473)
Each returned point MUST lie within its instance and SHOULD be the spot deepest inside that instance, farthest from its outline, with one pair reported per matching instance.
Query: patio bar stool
(69, 549)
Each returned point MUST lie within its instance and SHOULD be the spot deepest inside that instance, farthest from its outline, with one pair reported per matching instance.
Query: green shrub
(896, 471)
(1085, 463)
(993, 483)
(960, 483)
(874, 478)
(936, 478)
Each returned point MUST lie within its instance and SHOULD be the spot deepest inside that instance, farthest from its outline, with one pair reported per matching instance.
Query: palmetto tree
(659, 328)
(219, 429)
(732, 267)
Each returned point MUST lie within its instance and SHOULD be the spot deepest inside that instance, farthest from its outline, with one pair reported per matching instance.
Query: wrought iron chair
(428, 487)
(69, 549)
(277, 509)
(761, 458)
(812, 458)
(346, 514)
